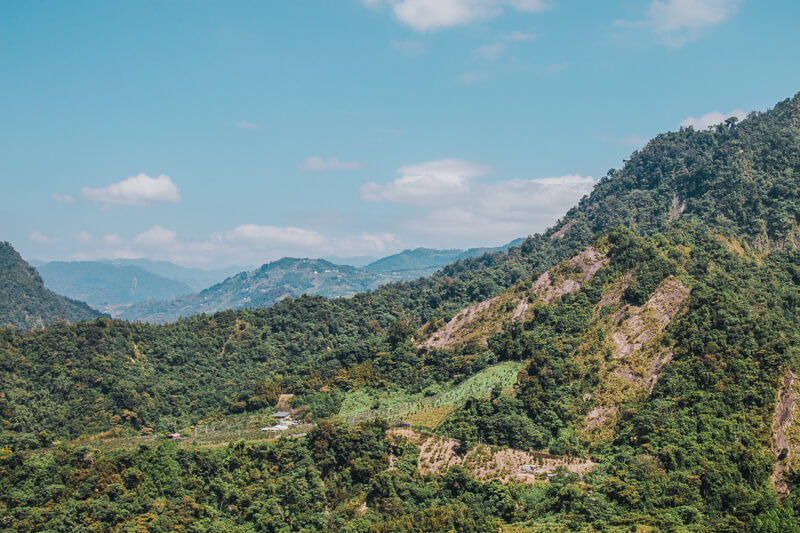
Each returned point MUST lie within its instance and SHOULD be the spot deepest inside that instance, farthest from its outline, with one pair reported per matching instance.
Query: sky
(214, 133)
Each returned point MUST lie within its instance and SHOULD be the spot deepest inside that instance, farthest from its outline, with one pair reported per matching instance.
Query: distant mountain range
(292, 277)
(160, 291)
(105, 285)
(262, 287)
(196, 278)
(411, 264)
(25, 302)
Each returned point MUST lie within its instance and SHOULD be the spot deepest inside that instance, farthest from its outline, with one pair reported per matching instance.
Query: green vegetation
(24, 301)
(428, 408)
(663, 369)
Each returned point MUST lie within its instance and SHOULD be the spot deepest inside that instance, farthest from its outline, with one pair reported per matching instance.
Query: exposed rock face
(785, 443)
(449, 333)
(439, 454)
(636, 357)
(583, 266)
(479, 320)
(649, 320)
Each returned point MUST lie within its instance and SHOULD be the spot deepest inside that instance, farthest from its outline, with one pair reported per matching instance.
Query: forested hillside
(25, 302)
(656, 328)
(262, 287)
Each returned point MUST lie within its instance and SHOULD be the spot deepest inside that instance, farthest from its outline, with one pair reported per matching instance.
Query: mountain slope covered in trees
(274, 281)
(657, 327)
(26, 303)
(262, 287)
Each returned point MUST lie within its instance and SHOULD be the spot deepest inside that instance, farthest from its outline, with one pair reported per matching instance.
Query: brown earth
(550, 286)
(636, 360)
(478, 321)
(646, 322)
(439, 454)
(444, 337)
(786, 452)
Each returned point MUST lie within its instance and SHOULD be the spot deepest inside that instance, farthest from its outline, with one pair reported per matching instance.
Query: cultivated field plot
(429, 411)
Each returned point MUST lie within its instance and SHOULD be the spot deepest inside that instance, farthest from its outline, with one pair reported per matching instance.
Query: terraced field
(428, 412)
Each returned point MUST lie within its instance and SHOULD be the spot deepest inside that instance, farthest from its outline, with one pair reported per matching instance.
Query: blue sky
(217, 133)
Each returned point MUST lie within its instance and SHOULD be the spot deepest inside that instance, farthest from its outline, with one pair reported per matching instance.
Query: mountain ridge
(656, 326)
(25, 302)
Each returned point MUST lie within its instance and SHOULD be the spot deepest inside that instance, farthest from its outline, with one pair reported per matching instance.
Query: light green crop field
(429, 411)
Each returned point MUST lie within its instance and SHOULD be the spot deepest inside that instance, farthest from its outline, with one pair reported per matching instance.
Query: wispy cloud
(137, 190)
(711, 119)
(82, 236)
(425, 15)
(62, 198)
(490, 51)
(156, 236)
(426, 183)
(469, 78)
(408, 48)
(42, 238)
(452, 202)
(520, 36)
(677, 22)
(245, 125)
(320, 164)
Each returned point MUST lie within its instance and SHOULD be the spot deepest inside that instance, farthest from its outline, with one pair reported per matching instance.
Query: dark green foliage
(500, 419)
(718, 209)
(24, 301)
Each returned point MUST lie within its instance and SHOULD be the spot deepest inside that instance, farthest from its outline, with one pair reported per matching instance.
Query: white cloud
(63, 198)
(320, 164)
(243, 124)
(156, 236)
(468, 78)
(711, 119)
(41, 238)
(427, 183)
(408, 48)
(427, 15)
(455, 204)
(676, 22)
(137, 190)
(520, 36)
(679, 15)
(244, 244)
(255, 235)
(82, 236)
(504, 210)
(490, 51)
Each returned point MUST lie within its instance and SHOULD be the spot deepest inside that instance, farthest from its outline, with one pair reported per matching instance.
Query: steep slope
(104, 285)
(25, 302)
(263, 287)
(663, 352)
(742, 178)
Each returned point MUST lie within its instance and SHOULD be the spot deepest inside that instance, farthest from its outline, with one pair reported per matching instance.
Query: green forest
(657, 329)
